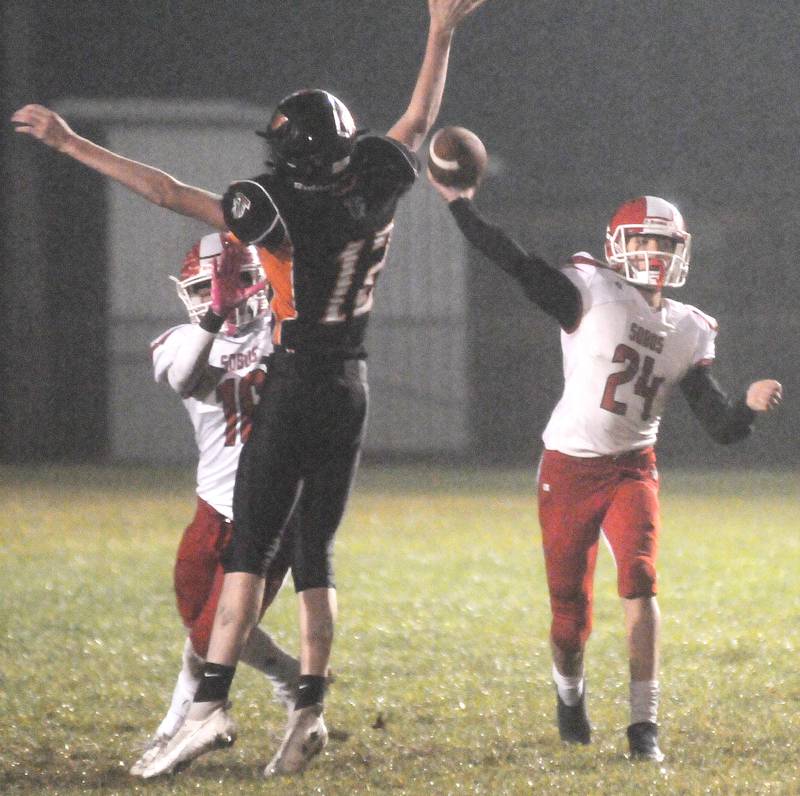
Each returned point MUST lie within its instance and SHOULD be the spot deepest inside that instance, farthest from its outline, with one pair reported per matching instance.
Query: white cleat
(155, 746)
(306, 736)
(194, 738)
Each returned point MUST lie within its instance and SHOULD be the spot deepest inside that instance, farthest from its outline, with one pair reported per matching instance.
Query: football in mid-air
(457, 157)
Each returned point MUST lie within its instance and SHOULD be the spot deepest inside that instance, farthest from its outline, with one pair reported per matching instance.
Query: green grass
(441, 653)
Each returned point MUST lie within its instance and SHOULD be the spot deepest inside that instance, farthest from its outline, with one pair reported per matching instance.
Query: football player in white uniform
(218, 376)
(624, 347)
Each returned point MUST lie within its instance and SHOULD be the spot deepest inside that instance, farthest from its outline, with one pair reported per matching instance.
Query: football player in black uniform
(331, 195)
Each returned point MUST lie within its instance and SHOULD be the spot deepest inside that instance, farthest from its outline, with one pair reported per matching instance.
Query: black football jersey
(339, 238)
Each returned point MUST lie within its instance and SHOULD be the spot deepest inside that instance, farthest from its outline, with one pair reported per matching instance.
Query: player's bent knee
(637, 579)
(303, 581)
(244, 555)
(571, 625)
(312, 568)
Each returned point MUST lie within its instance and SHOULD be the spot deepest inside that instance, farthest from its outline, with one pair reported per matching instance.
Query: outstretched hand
(446, 14)
(43, 124)
(227, 293)
(450, 192)
(764, 395)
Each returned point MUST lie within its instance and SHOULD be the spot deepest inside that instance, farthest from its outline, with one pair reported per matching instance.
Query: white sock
(570, 689)
(644, 701)
(202, 710)
(185, 689)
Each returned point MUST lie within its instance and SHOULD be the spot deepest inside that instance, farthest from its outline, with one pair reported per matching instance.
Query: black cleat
(573, 721)
(643, 741)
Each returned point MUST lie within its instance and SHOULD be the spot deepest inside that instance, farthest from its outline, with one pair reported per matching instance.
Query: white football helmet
(194, 283)
(649, 216)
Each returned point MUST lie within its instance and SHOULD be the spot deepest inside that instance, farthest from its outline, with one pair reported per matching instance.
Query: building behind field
(578, 109)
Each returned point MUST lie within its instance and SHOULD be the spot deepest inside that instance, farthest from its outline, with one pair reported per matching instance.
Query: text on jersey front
(369, 253)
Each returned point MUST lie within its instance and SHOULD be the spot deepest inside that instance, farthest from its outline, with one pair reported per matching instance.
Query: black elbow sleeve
(724, 420)
(737, 424)
(546, 287)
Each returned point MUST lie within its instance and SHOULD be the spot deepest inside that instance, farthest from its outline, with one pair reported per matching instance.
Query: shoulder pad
(686, 313)
(162, 338)
(702, 319)
(584, 261)
(381, 152)
(251, 214)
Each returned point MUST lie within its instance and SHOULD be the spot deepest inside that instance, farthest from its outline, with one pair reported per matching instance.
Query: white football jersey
(620, 363)
(222, 419)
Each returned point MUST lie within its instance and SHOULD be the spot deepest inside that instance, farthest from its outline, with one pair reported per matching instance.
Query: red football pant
(577, 498)
(198, 572)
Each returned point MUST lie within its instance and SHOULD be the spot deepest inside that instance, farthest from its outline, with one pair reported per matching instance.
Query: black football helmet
(311, 136)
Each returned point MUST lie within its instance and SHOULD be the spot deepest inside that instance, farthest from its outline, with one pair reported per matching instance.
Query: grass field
(441, 654)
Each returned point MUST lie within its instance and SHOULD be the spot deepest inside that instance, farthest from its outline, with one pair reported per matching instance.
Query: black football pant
(306, 437)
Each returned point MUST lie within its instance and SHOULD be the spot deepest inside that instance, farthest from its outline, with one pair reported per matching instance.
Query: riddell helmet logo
(240, 205)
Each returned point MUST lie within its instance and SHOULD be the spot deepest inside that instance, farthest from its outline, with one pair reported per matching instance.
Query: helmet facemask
(664, 265)
(256, 305)
(194, 288)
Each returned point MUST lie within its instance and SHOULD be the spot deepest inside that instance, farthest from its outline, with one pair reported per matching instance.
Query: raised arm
(412, 127)
(190, 374)
(153, 184)
(544, 285)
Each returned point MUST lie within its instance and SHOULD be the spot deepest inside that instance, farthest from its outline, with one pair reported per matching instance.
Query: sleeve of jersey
(545, 286)
(164, 350)
(251, 214)
(725, 420)
(706, 340)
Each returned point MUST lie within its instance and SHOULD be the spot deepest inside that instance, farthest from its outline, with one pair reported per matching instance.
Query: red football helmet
(651, 217)
(194, 284)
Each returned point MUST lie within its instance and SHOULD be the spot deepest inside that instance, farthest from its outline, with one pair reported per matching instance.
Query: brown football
(457, 157)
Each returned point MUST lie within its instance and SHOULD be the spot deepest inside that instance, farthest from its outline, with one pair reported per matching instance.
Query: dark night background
(581, 105)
